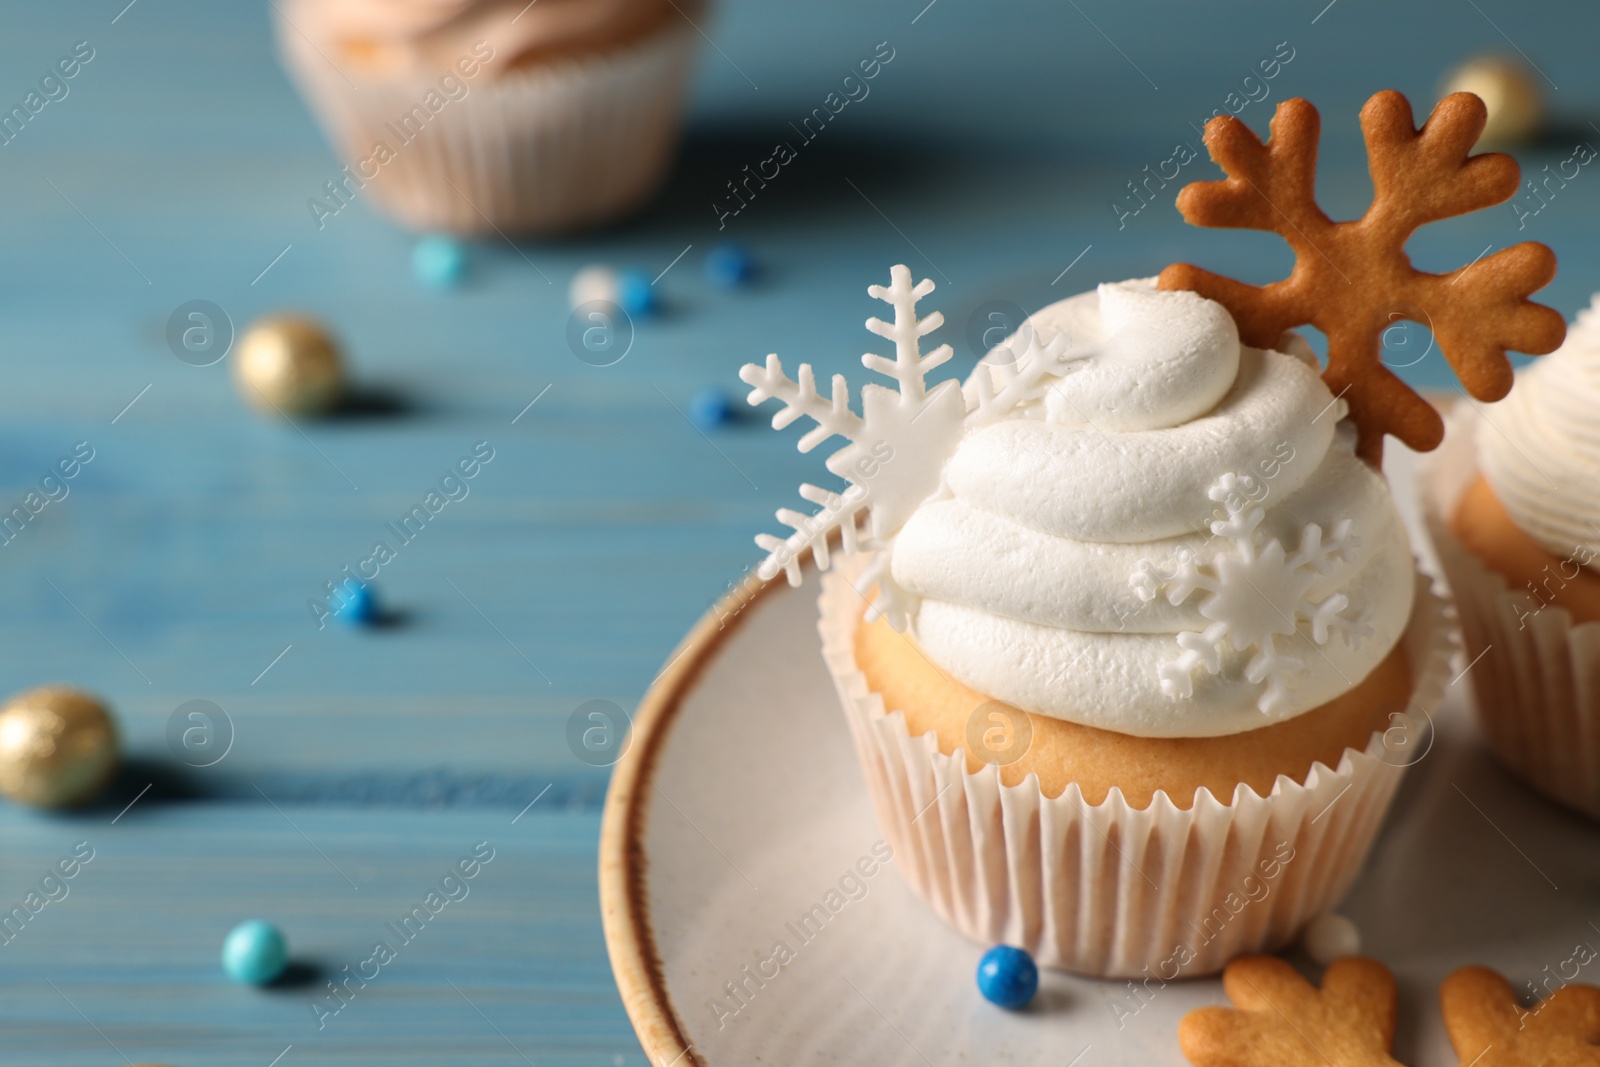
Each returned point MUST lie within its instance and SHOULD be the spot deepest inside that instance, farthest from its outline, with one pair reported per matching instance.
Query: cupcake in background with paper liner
(478, 116)
(1127, 630)
(1513, 504)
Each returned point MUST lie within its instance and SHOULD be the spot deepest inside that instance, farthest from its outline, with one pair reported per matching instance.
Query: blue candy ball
(710, 408)
(255, 953)
(360, 606)
(635, 294)
(439, 262)
(1008, 977)
(729, 265)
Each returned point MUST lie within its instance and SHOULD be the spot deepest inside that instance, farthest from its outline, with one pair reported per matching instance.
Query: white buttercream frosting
(1023, 562)
(1540, 447)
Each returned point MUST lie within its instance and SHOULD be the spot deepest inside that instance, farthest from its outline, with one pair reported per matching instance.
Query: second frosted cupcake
(1513, 503)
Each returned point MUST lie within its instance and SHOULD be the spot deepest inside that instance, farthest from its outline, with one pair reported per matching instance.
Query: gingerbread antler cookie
(1489, 1028)
(1353, 280)
(1281, 1020)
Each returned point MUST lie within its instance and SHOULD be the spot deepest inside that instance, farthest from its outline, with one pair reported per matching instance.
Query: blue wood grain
(123, 966)
(988, 155)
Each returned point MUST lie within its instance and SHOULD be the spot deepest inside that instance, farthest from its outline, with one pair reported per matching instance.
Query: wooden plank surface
(988, 156)
(122, 967)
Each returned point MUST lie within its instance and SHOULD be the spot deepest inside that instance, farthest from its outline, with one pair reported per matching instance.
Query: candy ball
(1008, 977)
(255, 953)
(360, 606)
(635, 294)
(1331, 937)
(58, 747)
(439, 262)
(289, 365)
(1509, 91)
(593, 283)
(729, 265)
(710, 409)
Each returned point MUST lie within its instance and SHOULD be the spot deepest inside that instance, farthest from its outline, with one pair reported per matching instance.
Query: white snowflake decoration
(1257, 596)
(899, 444)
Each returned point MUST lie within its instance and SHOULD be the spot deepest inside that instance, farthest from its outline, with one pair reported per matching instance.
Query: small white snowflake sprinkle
(1257, 596)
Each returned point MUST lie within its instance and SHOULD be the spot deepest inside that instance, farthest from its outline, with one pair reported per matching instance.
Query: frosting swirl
(1539, 448)
(1023, 563)
(428, 37)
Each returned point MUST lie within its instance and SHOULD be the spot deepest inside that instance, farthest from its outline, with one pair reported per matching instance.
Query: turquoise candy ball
(255, 953)
(439, 262)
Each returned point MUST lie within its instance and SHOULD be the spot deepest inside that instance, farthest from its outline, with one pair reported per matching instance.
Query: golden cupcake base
(1116, 888)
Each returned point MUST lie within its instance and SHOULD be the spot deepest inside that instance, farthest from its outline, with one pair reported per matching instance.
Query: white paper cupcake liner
(1535, 674)
(1108, 889)
(545, 148)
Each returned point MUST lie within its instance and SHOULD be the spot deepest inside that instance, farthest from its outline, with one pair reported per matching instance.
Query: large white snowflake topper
(899, 444)
(1257, 596)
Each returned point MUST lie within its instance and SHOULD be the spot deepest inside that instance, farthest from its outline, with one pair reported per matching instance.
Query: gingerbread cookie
(1353, 280)
(1489, 1028)
(1281, 1020)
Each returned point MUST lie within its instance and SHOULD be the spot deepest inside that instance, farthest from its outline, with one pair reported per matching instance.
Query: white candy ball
(593, 283)
(1331, 937)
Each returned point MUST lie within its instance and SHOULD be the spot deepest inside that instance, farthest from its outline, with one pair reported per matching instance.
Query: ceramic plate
(739, 807)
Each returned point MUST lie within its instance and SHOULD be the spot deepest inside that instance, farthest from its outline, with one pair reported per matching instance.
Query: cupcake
(1513, 504)
(1128, 633)
(1157, 623)
(483, 116)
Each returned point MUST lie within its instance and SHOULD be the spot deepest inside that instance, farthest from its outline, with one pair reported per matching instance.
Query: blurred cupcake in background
(1513, 503)
(477, 116)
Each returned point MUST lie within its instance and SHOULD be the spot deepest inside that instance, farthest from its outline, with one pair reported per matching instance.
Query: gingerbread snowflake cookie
(1281, 1020)
(1353, 280)
(1490, 1028)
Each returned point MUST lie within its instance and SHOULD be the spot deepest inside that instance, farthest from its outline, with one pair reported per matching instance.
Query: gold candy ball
(58, 747)
(1509, 90)
(289, 365)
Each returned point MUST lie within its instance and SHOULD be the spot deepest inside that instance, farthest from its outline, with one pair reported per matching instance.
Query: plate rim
(624, 910)
(624, 907)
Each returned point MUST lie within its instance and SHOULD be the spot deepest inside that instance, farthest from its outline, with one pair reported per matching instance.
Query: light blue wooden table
(988, 155)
